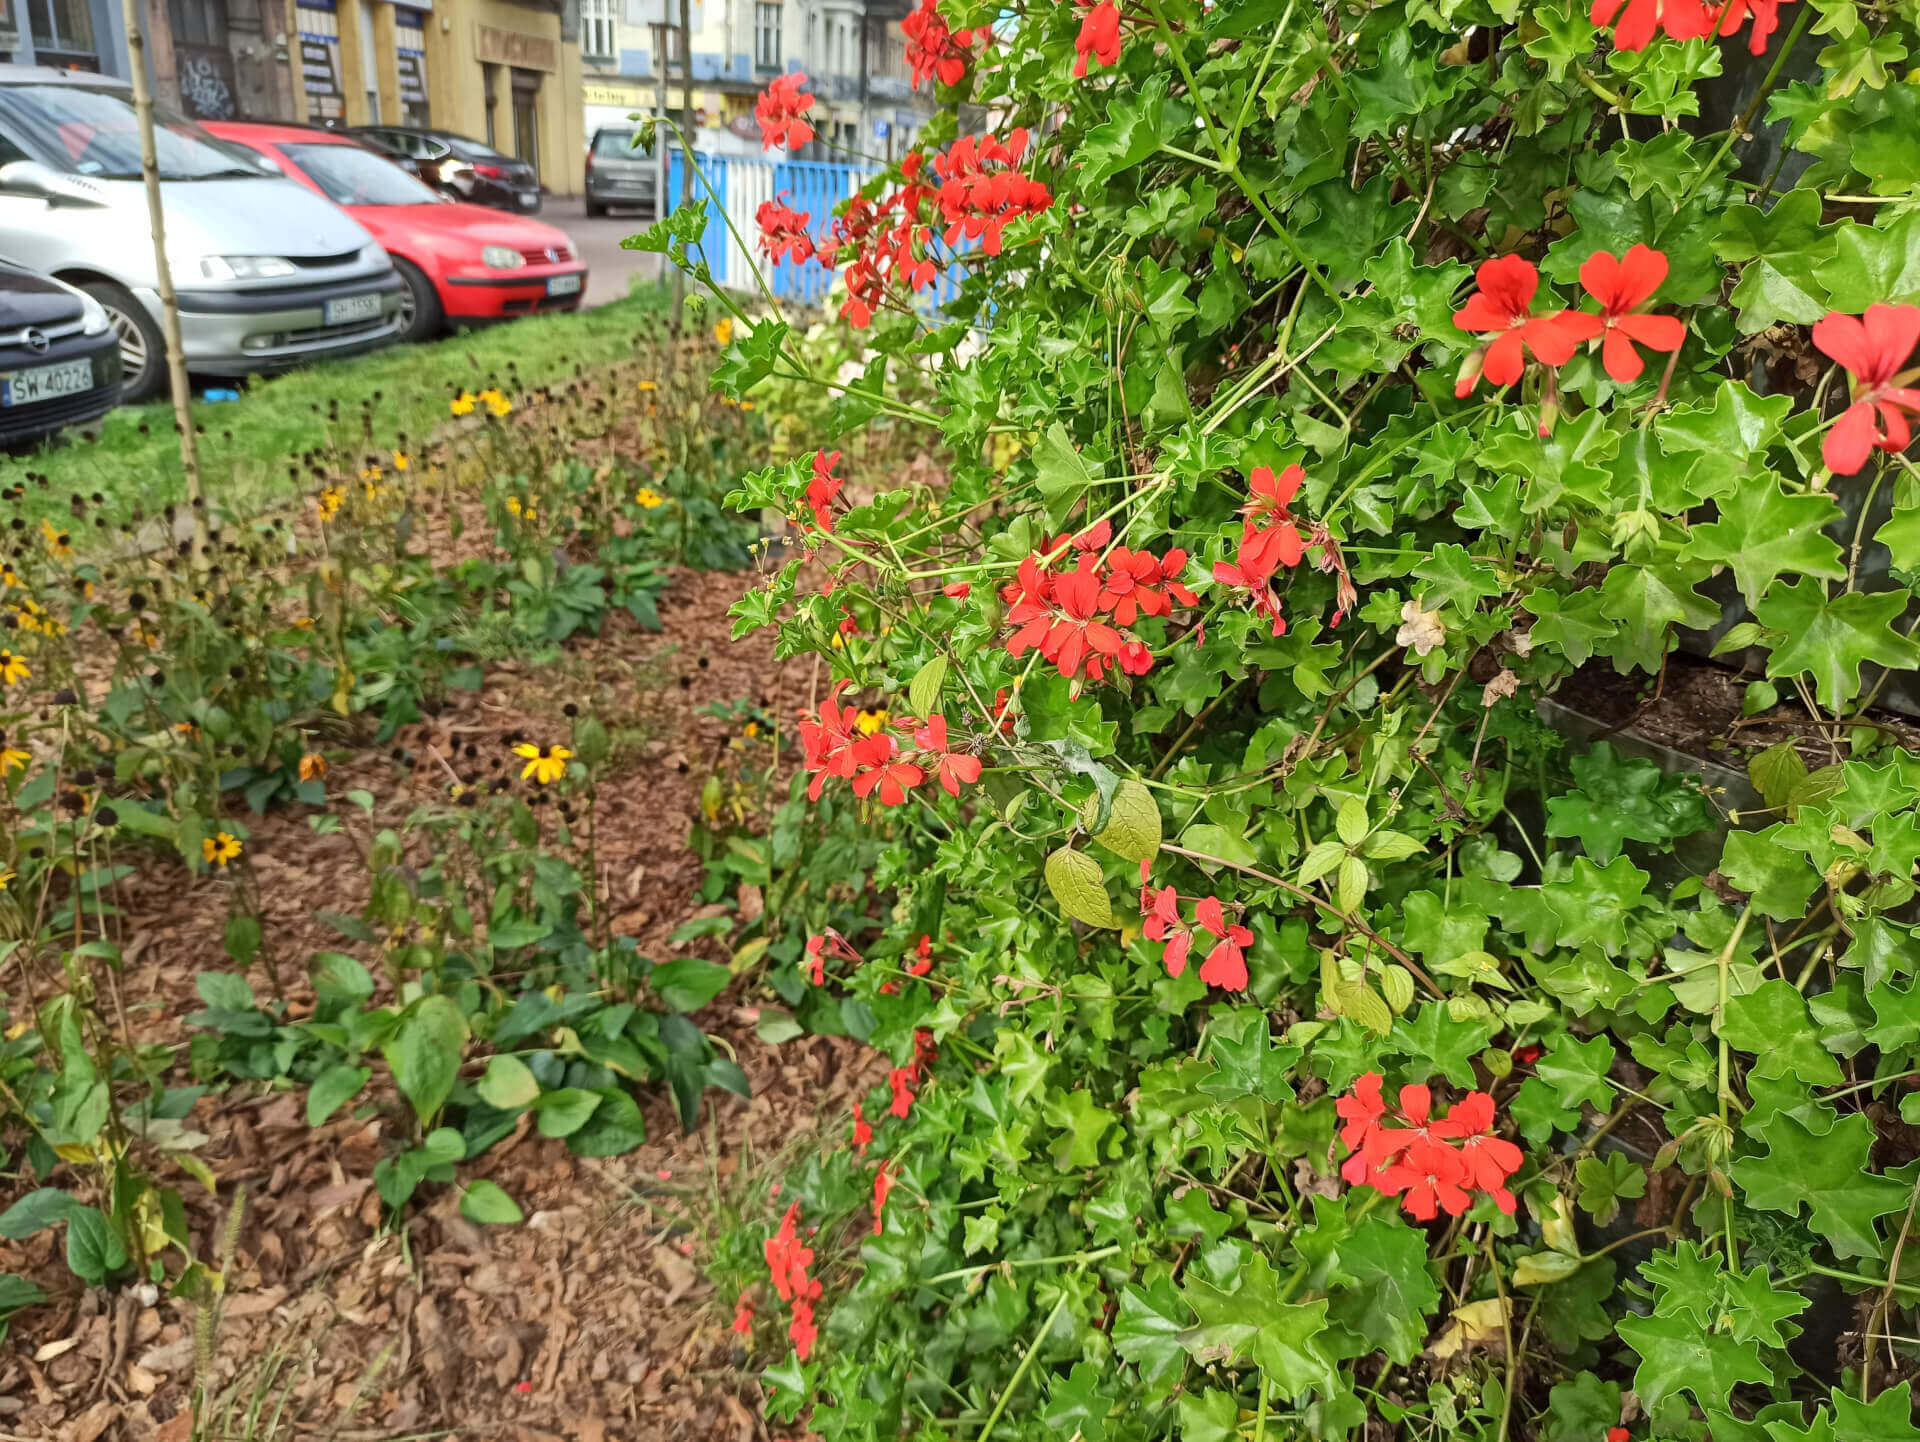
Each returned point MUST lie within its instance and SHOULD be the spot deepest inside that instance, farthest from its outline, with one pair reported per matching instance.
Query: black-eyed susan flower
(462, 404)
(495, 401)
(525, 512)
(59, 543)
(329, 501)
(220, 848)
(723, 330)
(401, 461)
(646, 386)
(12, 758)
(5, 877)
(13, 669)
(545, 764)
(647, 498)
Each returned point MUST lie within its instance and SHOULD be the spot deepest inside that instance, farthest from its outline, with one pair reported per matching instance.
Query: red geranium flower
(1502, 307)
(862, 1130)
(783, 232)
(1873, 349)
(1362, 1110)
(1099, 38)
(882, 1185)
(1135, 658)
(1642, 19)
(933, 50)
(1766, 19)
(829, 741)
(1622, 287)
(1076, 636)
(743, 1314)
(1261, 554)
(1226, 964)
(903, 1080)
(958, 590)
(1428, 1176)
(923, 951)
(824, 486)
(1431, 1165)
(882, 771)
(779, 109)
(1489, 1160)
(1268, 495)
(953, 768)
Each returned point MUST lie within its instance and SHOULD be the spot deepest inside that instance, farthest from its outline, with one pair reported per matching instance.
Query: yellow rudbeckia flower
(545, 764)
(220, 848)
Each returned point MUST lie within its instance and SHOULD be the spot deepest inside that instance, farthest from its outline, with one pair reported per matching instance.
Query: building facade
(852, 52)
(70, 34)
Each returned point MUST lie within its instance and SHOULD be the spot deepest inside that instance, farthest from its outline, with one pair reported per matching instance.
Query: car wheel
(143, 348)
(595, 210)
(421, 317)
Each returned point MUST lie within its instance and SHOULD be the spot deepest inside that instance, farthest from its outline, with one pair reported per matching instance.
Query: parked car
(619, 175)
(267, 273)
(460, 263)
(459, 167)
(59, 356)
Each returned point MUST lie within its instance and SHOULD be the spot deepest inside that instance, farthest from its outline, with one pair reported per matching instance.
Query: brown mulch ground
(590, 1322)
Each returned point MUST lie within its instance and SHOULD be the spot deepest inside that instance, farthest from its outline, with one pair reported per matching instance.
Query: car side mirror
(30, 177)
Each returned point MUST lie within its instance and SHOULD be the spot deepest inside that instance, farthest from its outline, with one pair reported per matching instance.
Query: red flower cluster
(829, 943)
(779, 110)
(1874, 350)
(862, 1130)
(1099, 37)
(1431, 1165)
(821, 490)
(885, 245)
(836, 745)
(1058, 613)
(935, 51)
(1226, 963)
(783, 232)
(978, 202)
(788, 1259)
(1636, 22)
(1269, 539)
(905, 1080)
(1503, 309)
(743, 1314)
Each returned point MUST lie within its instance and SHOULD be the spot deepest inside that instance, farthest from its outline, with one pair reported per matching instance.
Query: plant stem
(1026, 1363)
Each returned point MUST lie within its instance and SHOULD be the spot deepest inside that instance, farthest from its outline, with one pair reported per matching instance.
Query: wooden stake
(169, 302)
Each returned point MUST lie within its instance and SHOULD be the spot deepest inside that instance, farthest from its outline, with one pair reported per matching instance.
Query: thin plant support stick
(169, 303)
(686, 141)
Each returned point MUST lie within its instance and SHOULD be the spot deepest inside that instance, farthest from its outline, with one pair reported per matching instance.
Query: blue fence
(815, 188)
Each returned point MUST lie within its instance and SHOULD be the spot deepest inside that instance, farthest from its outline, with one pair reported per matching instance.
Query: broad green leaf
(484, 1202)
(1076, 883)
(508, 1085)
(426, 1051)
(1831, 639)
(1763, 533)
(1827, 1175)
(923, 692)
(333, 1089)
(1133, 830)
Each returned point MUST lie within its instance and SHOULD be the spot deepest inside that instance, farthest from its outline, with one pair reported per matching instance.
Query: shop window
(61, 26)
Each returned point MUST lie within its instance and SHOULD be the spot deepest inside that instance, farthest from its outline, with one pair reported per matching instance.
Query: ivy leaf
(1778, 880)
(1647, 604)
(1076, 1406)
(1760, 1311)
(1763, 532)
(1148, 1329)
(1874, 264)
(1607, 1181)
(1577, 1071)
(1062, 473)
(1782, 249)
(1727, 438)
(1392, 1293)
(1832, 639)
(1592, 903)
(1771, 1024)
(1679, 1355)
(1249, 1321)
(1624, 799)
(1829, 1176)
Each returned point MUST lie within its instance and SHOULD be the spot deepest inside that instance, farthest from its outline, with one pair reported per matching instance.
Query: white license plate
(44, 383)
(351, 308)
(563, 285)
(529, 201)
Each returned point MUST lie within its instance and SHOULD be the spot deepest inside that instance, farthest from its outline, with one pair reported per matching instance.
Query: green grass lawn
(248, 445)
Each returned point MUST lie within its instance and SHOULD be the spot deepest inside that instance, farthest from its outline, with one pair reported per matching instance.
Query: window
(62, 25)
(349, 175)
(666, 47)
(597, 38)
(766, 36)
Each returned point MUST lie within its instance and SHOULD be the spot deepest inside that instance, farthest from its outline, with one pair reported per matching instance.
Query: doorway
(526, 116)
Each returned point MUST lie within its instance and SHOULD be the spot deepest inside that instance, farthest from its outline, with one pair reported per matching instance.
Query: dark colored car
(620, 176)
(459, 167)
(59, 356)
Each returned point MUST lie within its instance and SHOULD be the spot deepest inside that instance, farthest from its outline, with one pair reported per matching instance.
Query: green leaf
(1777, 772)
(1392, 1291)
(1606, 1181)
(484, 1202)
(615, 1128)
(1778, 880)
(1783, 249)
(1679, 1355)
(923, 692)
(1764, 532)
(689, 983)
(564, 1111)
(426, 1051)
(1062, 474)
(1133, 830)
(1620, 799)
(1147, 1331)
(1829, 1176)
(17, 1294)
(1771, 1024)
(333, 1089)
(1248, 1321)
(1648, 604)
(38, 1209)
(1577, 1071)
(94, 1250)
(1832, 638)
(1076, 883)
(508, 1085)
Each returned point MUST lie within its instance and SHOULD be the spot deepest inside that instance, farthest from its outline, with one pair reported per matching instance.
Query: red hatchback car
(462, 264)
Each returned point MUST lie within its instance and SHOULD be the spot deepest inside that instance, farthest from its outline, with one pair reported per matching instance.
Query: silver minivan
(268, 274)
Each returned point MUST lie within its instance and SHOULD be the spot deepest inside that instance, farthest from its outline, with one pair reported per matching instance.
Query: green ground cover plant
(1292, 1034)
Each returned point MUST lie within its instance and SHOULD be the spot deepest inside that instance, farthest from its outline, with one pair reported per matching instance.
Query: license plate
(563, 285)
(45, 383)
(529, 201)
(351, 308)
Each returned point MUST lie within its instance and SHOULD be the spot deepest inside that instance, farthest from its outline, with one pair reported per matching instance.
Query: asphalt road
(610, 268)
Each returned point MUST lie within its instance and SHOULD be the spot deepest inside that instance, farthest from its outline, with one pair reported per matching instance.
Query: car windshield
(350, 175)
(472, 149)
(86, 131)
(616, 145)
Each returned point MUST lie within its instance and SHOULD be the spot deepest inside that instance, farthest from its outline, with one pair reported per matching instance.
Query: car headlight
(93, 316)
(244, 267)
(501, 257)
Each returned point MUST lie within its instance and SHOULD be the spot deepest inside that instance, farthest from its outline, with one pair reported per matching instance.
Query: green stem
(1081, 1257)
(1026, 1364)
